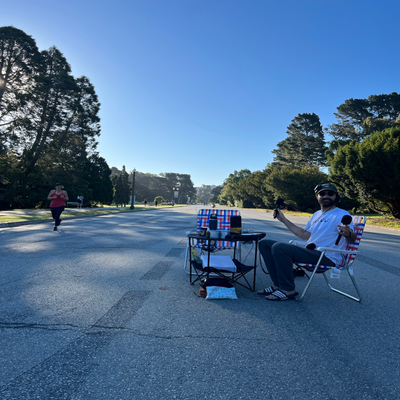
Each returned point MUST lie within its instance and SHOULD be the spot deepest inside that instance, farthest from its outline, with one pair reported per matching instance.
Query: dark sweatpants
(279, 258)
(56, 212)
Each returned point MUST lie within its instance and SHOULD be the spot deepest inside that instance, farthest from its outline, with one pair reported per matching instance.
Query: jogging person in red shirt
(58, 198)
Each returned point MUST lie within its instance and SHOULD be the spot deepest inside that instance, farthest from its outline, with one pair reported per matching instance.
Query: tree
(358, 118)
(233, 191)
(186, 188)
(204, 193)
(34, 133)
(215, 195)
(371, 170)
(171, 180)
(19, 63)
(305, 145)
(73, 144)
(48, 123)
(295, 185)
(159, 200)
(119, 198)
(257, 193)
(100, 186)
(146, 185)
(121, 187)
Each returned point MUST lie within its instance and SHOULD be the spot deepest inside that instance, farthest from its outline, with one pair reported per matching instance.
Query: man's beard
(327, 203)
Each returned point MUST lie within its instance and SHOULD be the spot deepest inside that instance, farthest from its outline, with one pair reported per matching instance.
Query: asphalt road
(104, 310)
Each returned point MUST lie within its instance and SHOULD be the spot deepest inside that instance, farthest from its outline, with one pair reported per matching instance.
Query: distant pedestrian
(80, 201)
(145, 203)
(156, 202)
(58, 198)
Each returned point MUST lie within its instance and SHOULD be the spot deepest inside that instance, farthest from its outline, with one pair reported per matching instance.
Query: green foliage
(257, 195)
(215, 195)
(121, 188)
(371, 170)
(262, 188)
(295, 185)
(204, 193)
(159, 200)
(19, 64)
(233, 192)
(169, 181)
(357, 118)
(305, 145)
(148, 186)
(48, 126)
(99, 183)
(363, 156)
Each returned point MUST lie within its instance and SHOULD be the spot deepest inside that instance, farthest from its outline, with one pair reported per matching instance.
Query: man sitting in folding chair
(324, 229)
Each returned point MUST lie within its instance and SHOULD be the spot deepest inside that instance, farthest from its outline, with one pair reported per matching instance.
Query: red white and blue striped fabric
(224, 224)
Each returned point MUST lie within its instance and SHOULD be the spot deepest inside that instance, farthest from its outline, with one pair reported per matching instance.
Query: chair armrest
(301, 243)
(330, 249)
(337, 250)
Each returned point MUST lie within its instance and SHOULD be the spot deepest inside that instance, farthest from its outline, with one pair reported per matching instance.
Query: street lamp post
(133, 191)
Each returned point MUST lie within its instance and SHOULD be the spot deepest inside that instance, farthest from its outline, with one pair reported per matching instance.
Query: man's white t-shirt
(324, 231)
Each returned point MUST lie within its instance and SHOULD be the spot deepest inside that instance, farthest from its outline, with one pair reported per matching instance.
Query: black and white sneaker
(55, 229)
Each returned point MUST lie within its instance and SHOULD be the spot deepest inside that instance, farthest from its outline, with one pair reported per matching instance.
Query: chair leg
(310, 278)
(344, 293)
(247, 285)
(186, 259)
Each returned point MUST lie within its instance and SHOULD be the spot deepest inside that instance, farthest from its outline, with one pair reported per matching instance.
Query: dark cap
(58, 184)
(325, 186)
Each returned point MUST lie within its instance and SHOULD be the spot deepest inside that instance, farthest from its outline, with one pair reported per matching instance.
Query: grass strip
(46, 214)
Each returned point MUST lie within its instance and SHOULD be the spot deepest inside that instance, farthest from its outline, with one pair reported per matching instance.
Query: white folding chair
(348, 258)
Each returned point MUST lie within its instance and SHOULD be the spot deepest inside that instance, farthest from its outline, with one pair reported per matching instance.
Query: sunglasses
(329, 193)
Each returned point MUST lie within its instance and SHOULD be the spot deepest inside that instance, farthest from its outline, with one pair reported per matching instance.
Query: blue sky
(207, 87)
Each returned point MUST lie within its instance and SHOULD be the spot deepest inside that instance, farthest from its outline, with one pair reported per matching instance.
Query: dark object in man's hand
(346, 220)
(278, 203)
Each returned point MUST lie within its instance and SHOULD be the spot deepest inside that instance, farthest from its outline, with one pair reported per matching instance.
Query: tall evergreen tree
(305, 145)
(97, 173)
(48, 121)
(19, 64)
(121, 187)
(358, 118)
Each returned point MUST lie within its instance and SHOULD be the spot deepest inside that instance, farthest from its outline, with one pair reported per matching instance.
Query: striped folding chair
(348, 256)
(223, 224)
